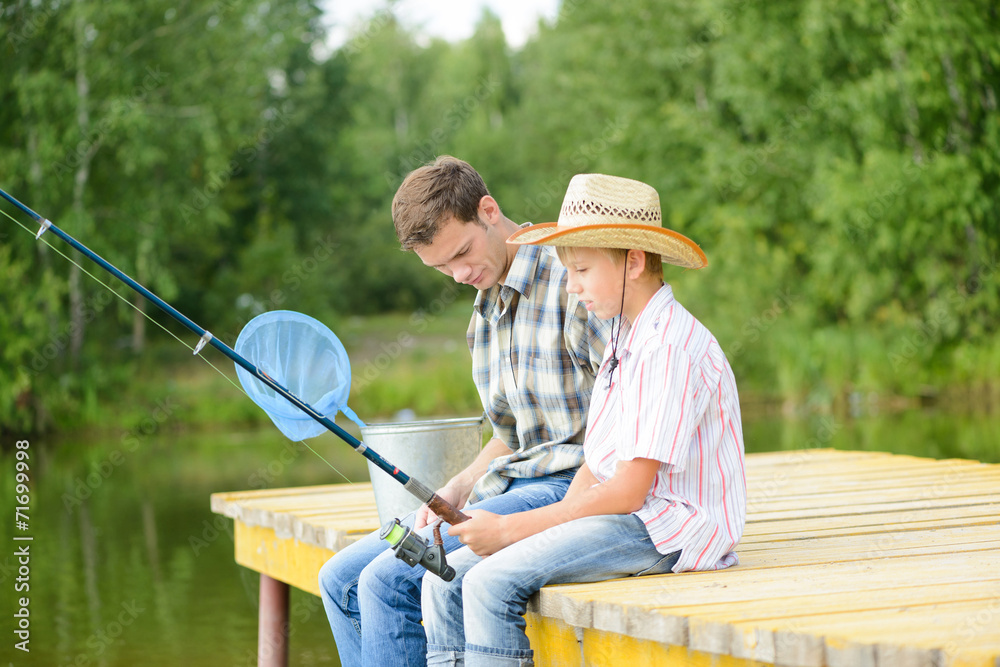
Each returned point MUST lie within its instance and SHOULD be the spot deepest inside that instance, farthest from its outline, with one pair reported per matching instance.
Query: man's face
(468, 253)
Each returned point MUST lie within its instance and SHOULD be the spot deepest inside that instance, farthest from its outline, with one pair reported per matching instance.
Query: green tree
(125, 125)
(835, 162)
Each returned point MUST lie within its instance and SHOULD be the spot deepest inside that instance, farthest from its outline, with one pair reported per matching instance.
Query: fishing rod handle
(435, 503)
(446, 510)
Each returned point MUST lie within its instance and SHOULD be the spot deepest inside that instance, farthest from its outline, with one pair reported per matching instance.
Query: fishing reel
(413, 549)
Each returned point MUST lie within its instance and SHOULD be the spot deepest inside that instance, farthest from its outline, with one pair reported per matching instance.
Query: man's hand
(452, 493)
(485, 532)
(459, 488)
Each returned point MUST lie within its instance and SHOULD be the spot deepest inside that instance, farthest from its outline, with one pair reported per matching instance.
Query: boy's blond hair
(432, 194)
(653, 268)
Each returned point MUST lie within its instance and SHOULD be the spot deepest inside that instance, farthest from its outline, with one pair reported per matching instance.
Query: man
(535, 353)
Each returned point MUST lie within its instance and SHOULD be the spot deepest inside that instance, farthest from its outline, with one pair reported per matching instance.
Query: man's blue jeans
(477, 619)
(372, 598)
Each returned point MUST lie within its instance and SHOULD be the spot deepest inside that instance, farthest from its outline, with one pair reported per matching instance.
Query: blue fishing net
(302, 355)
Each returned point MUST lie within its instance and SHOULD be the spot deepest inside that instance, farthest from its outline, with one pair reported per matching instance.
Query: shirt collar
(521, 276)
(650, 315)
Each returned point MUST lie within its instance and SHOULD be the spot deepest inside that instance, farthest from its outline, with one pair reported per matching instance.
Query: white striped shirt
(673, 399)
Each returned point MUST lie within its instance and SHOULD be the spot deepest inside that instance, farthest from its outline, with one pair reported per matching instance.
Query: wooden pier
(849, 559)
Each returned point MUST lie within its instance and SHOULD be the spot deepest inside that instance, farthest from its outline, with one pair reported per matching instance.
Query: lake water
(128, 566)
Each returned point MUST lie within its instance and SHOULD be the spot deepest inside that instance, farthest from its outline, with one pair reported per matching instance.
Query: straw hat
(611, 212)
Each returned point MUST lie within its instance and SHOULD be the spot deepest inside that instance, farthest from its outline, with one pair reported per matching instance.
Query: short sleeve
(663, 400)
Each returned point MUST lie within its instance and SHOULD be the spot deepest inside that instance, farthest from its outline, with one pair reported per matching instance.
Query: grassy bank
(417, 362)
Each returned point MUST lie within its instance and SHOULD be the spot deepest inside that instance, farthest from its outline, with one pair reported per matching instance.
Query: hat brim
(672, 247)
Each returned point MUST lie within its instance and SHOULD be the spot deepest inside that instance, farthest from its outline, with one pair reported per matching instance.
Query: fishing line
(148, 317)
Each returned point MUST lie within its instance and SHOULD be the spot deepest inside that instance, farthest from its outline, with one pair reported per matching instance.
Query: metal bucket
(432, 452)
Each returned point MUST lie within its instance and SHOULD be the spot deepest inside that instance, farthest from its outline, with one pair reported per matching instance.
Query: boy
(663, 487)
(535, 353)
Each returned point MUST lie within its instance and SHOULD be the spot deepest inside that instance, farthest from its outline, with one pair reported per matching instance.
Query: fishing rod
(436, 503)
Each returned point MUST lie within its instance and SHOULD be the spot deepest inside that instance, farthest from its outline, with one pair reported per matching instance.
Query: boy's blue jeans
(492, 595)
(372, 599)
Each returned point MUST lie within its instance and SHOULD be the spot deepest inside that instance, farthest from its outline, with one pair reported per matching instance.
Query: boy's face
(468, 253)
(596, 280)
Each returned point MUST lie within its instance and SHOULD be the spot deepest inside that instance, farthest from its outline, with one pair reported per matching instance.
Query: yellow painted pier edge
(289, 560)
(850, 559)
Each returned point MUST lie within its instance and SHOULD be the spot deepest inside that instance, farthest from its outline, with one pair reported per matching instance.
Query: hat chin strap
(616, 335)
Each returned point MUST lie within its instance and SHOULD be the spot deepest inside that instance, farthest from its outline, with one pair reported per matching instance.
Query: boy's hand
(485, 532)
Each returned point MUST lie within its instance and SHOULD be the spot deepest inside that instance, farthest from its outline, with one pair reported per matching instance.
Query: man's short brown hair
(431, 194)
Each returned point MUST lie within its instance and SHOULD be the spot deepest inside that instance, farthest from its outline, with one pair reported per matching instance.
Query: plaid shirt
(534, 370)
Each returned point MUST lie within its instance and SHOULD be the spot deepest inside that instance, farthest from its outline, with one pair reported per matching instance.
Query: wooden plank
(877, 522)
(270, 510)
(819, 461)
(820, 494)
(885, 619)
(858, 465)
(858, 472)
(863, 502)
(813, 455)
(808, 604)
(944, 625)
(889, 636)
(333, 503)
(986, 533)
(820, 458)
(806, 555)
(220, 501)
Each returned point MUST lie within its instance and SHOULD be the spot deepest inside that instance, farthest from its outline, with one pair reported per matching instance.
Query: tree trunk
(44, 258)
(138, 324)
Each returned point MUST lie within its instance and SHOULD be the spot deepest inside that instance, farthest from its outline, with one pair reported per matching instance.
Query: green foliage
(837, 162)
(413, 361)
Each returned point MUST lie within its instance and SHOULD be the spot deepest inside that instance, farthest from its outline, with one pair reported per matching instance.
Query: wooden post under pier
(272, 623)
